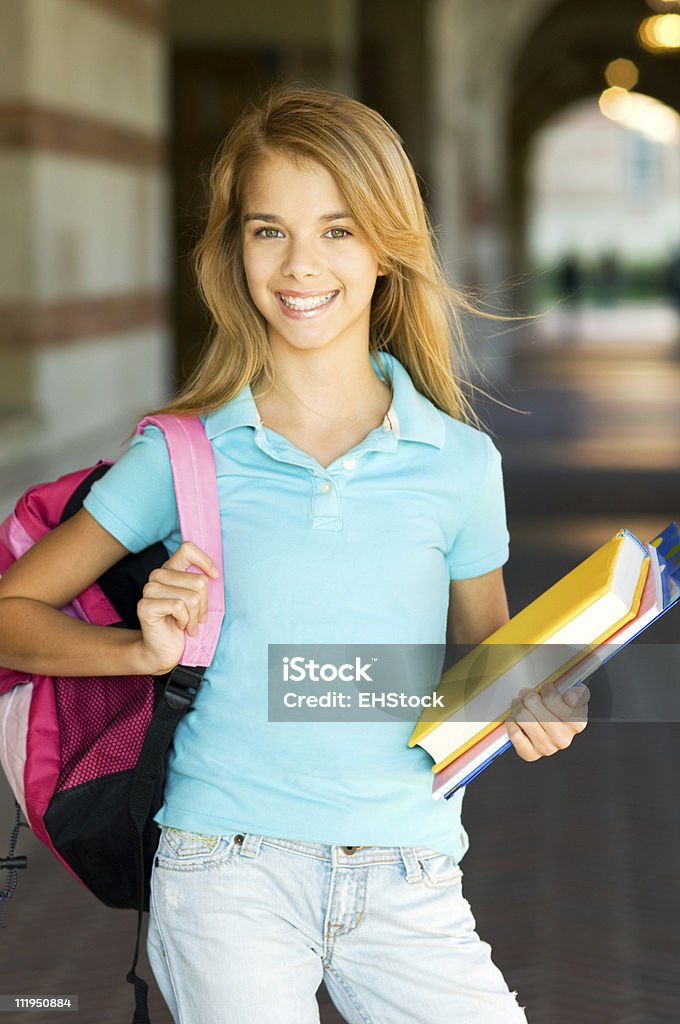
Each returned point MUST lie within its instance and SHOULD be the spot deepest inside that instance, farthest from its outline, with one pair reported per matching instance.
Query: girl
(360, 503)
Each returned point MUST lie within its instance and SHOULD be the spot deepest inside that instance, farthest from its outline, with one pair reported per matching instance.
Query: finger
(551, 700)
(549, 705)
(541, 704)
(576, 699)
(541, 735)
(189, 556)
(570, 706)
(547, 732)
(182, 580)
(153, 610)
(520, 741)
(191, 599)
(577, 696)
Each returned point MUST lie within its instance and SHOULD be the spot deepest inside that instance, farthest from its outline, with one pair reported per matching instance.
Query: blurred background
(546, 138)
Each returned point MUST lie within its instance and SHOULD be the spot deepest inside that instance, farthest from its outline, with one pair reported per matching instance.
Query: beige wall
(86, 386)
(84, 207)
(13, 63)
(88, 60)
(16, 255)
(99, 228)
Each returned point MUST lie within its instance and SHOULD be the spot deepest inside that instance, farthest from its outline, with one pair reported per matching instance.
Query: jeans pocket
(178, 849)
(440, 871)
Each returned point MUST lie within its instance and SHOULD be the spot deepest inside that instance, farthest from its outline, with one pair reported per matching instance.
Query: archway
(563, 60)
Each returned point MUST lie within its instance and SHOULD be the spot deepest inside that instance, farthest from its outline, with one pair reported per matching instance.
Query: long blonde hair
(415, 314)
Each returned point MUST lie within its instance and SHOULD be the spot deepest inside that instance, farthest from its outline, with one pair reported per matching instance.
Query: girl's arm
(540, 723)
(477, 608)
(37, 637)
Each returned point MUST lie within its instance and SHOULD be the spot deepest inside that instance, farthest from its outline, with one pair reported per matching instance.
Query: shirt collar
(417, 419)
(411, 416)
(241, 411)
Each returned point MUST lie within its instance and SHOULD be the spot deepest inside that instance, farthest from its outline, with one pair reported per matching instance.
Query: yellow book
(548, 636)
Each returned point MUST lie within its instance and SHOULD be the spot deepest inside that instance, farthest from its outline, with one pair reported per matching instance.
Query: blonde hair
(415, 314)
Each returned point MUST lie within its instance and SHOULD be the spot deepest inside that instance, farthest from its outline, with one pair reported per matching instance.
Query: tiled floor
(573, 866)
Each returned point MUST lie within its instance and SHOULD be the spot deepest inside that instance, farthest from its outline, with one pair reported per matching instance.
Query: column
(84, 335)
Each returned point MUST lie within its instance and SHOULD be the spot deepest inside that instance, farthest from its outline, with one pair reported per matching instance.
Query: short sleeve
(481, 543)
(135, 499)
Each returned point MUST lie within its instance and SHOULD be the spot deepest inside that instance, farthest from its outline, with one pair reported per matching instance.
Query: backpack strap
(193, 469)
(199, 518)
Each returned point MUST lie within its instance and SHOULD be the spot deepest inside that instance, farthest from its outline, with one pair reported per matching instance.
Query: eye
(268, 233)
(338, 233)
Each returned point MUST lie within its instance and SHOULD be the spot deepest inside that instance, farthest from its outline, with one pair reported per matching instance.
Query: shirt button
(349, 463)
(326, 487)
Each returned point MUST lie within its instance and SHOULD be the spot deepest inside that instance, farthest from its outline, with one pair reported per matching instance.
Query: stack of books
(562, 637)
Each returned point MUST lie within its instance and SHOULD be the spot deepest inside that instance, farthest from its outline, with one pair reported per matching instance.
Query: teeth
(293, 302)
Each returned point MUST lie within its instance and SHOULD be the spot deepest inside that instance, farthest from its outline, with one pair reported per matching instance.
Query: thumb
(190, 557)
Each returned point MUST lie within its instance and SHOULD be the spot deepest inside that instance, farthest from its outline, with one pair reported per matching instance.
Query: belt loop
(250, 847)
(414, 872)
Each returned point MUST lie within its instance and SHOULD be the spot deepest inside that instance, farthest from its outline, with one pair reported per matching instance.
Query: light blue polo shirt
(361, 552)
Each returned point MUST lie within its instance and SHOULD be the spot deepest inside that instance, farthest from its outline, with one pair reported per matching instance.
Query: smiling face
(310, 272)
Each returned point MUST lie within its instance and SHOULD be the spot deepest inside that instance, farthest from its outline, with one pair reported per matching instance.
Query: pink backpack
(85, 757)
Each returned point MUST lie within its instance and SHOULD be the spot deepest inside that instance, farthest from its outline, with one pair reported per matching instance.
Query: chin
(302, 340)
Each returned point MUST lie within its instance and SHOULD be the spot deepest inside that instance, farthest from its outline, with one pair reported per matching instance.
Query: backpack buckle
(182, 686)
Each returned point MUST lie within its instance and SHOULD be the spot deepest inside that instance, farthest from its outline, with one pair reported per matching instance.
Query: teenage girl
(360, 504)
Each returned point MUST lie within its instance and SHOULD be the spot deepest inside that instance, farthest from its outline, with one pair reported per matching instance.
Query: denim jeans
(244, 928)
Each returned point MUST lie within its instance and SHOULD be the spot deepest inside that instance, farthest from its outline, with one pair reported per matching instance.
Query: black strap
(12, 863)
(178, 696)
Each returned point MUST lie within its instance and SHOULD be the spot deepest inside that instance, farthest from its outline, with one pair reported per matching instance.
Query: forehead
(280, 180)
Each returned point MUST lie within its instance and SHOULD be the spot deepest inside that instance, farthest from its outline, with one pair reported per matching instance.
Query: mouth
(302, 307)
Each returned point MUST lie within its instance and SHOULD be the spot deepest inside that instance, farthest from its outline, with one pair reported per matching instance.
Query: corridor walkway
(573, 867)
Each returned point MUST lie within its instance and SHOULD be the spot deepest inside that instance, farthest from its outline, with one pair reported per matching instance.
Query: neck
(323, 390)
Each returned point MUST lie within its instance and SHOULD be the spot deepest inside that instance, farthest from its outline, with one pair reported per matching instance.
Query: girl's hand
(542, 723)
(174, 601)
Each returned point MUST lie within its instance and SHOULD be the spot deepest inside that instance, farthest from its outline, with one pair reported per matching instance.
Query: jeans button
(349, 850)
(238, 840)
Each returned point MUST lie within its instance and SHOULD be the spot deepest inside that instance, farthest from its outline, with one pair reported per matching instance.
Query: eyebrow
(270, 218)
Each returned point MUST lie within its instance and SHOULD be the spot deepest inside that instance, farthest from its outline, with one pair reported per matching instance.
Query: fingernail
(214, 573)
(574, 694)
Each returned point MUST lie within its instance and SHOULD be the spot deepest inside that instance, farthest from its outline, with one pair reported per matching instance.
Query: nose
(301, 259)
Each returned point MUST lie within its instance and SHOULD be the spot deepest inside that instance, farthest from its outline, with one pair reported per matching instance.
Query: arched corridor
(108, 113)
